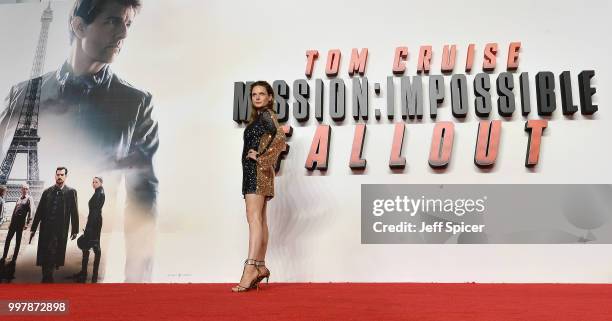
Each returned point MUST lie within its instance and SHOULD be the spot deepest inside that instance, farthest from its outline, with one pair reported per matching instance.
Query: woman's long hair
(269, 91)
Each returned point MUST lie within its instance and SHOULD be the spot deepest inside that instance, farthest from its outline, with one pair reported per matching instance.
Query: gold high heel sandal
(262, 276)
(253, 284)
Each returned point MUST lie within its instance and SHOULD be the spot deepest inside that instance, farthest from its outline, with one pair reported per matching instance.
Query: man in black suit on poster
(57, 211)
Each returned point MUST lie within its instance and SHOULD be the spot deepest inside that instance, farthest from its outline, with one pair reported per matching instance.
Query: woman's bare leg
(254, 206)
(265, 233)
(254, 211)
(264, 245)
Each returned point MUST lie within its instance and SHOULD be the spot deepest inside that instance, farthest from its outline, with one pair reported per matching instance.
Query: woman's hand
(252, 154)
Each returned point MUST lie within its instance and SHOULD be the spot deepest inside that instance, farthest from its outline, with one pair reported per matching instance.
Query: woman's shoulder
(269, 112)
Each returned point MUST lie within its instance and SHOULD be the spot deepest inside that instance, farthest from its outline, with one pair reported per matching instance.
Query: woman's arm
(269, 124)
(275, 145)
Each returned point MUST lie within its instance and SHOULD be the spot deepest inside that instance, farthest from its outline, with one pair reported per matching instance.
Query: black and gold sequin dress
(266, 137)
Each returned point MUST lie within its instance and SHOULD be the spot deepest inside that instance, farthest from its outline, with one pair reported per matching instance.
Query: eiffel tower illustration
(25, 140)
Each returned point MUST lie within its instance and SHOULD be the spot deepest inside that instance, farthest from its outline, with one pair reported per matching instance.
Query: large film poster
(396, 127)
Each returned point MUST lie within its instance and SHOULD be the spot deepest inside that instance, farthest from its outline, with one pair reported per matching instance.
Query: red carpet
(321, 301)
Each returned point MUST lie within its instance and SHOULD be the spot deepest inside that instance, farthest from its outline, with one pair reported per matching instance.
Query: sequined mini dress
(266, 137)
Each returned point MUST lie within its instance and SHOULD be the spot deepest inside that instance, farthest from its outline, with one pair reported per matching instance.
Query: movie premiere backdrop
(427, 141)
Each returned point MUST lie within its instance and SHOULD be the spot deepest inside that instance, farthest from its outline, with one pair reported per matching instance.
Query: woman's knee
(254, 216)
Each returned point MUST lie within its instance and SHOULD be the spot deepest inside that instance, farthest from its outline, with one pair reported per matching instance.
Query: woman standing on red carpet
(264, 140)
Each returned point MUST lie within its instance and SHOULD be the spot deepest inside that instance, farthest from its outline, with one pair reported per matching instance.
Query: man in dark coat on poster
(56, 212)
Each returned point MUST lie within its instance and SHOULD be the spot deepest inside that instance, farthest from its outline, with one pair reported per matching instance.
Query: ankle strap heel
(266, 274)
(254, 283)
